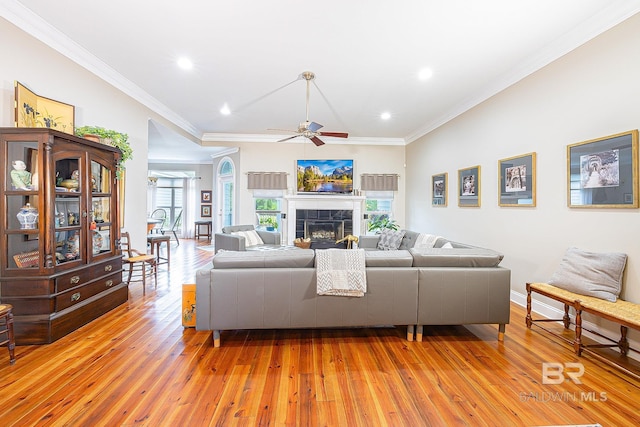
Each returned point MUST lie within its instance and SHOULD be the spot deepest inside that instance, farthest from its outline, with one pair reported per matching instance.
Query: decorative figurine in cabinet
(60, 258)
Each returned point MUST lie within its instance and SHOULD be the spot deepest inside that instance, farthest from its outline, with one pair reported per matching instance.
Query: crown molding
(35, 26)
(255, 137)
(617, 12)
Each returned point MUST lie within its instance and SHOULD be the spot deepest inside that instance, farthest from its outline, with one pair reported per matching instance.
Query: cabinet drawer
(78, 278)
(74, 296)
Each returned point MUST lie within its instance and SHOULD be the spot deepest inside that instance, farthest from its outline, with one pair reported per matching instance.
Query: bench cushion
(590, 273)
(626, 311)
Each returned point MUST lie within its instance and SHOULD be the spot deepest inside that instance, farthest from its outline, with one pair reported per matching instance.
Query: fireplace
(335, 211)
(324, 226)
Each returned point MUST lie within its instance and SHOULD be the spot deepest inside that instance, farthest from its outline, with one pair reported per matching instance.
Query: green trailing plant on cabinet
(110, 137)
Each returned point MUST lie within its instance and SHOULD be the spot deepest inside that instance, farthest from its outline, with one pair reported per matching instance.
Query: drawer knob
(75, 280)
(75, 297)
(108, 267)
(109, 283)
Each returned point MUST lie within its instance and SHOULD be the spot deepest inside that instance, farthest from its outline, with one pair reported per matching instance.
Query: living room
(587, 93)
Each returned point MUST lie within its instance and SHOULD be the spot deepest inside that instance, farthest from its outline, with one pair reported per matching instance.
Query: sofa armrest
(269, 237)
(368, 242)
(229, 242)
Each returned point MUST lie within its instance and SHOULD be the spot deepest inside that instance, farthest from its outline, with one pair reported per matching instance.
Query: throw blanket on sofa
(341, 272)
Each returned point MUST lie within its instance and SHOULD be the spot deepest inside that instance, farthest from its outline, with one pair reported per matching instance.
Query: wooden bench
(625, 313)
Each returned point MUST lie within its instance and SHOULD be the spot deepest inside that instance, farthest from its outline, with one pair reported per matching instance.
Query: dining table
(153, 223)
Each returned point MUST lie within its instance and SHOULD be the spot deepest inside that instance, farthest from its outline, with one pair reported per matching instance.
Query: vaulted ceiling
(367, 56)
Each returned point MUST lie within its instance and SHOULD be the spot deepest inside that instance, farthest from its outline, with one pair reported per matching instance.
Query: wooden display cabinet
(62, 268)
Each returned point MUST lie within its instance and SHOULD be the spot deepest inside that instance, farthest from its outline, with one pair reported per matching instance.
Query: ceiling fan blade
(286, 139)
(316, 141)
(335, 134)
(313, 126)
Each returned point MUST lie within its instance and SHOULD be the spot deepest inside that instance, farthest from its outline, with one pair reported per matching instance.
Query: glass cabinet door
(101, 225)
(22, 205)
(70, 214)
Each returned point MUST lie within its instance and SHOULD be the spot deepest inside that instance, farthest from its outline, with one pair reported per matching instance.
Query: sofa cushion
(390, 239)
(590, 273)
(300, 258)
(455, 257)
(251, 237)
(399, 258)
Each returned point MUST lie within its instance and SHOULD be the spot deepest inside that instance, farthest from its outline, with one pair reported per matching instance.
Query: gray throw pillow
(590, 273)
(390, 240)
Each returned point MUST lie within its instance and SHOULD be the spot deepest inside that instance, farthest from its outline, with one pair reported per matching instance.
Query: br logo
(555, 373)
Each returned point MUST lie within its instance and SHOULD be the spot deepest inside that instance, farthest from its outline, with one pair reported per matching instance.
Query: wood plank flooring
(137, 365)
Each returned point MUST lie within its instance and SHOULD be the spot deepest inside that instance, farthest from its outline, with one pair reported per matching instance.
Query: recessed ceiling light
(225, 110)
(385, 116)
(185, 63)
(425, 74)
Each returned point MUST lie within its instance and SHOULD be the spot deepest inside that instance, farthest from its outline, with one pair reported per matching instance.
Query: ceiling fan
(310, 129)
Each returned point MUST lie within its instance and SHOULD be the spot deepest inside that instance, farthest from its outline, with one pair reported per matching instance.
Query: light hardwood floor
(137, 365)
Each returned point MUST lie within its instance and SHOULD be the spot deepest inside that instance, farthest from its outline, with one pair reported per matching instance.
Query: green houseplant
(382, 222)
(269, 221)
(110, 137)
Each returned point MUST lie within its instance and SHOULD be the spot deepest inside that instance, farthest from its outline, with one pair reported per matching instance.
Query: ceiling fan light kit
(308, 129)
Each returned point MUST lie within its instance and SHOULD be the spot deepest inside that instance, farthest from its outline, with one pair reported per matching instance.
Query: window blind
(267, 181)
(379, 182)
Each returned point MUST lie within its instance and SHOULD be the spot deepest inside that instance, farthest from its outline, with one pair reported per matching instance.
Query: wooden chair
(6, 328)
(141, 263)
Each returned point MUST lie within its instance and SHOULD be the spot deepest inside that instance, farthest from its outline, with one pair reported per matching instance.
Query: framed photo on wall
(439, 188)
(205, 211)
(205, 196)
(517, 181)
(603, 172)
(469, 187)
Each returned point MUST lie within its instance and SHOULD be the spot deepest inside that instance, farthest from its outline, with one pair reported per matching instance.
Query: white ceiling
(366, 55)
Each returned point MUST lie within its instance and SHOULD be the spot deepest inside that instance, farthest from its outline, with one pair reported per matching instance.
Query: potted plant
(382, 222)
(109, 137)
(269, 221)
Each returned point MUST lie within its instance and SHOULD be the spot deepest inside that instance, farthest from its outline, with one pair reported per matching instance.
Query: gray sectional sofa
(410, 286)
(233, 242)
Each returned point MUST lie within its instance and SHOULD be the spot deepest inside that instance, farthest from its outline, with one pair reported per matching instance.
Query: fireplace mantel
(323, 201)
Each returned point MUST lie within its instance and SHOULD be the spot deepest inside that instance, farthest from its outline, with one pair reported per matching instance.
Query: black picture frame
(603, 172)
(439, 189)
(205, 211)
(205, 196)
(517, 181)
(469, 187)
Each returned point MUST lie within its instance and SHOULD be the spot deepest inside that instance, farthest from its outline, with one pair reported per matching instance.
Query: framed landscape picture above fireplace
(325, 176)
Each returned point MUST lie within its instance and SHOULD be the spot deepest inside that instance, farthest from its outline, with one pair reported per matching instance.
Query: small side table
(207, 225)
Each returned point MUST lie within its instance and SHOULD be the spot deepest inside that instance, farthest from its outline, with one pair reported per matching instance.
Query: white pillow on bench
(590, 273)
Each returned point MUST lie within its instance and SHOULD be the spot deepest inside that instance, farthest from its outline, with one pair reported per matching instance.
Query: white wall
(281, 157)
(589, 93)
(52, 75)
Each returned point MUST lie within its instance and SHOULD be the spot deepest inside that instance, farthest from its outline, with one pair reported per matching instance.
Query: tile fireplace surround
(322, 202)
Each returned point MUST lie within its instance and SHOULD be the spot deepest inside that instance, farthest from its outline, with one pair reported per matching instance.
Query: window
(378, 206)
(226, 199)
(169, 196)
(268, 213)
